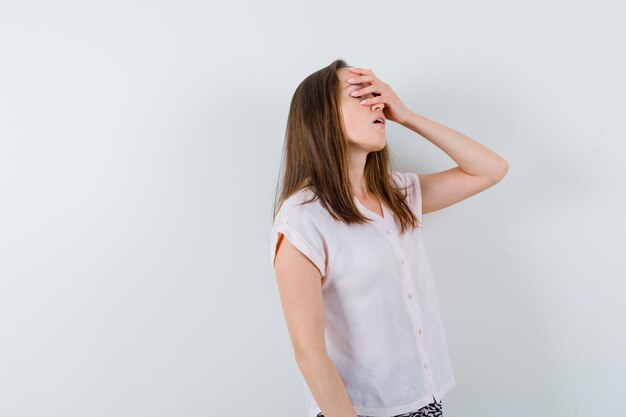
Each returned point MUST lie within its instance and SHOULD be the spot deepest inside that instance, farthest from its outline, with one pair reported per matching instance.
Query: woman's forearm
(473, 157)
(326, 386)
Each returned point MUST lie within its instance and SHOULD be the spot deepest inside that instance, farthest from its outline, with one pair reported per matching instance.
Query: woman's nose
(378, 106)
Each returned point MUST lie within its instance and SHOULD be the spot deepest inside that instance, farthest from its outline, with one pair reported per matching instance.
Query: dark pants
(434, 409)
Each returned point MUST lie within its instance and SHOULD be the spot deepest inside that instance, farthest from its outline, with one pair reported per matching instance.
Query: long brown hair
(315, 155)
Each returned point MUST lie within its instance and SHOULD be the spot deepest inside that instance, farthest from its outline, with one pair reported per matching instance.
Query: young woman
(356, 288)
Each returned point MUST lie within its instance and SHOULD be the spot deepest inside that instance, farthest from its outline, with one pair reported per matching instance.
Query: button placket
(385, 227)
(416, 321)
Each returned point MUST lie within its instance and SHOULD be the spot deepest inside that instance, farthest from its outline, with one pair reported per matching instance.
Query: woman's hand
(394, 109)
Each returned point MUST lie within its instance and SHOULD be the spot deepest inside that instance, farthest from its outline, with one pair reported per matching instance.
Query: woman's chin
(373, 145)
(381, 143)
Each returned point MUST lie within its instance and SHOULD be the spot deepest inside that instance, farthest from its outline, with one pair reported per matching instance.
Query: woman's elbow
(309, 354)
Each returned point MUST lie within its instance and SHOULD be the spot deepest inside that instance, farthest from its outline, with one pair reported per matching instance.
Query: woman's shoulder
(404, 179)
(409, 181)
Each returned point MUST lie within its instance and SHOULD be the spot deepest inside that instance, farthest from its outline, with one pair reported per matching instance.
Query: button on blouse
(383, 328)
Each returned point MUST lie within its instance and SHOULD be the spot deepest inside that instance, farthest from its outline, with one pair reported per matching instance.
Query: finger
(360, 70)
(362, 79)
(366, 90)
(364, 73)
(372, 101)
(355, 69)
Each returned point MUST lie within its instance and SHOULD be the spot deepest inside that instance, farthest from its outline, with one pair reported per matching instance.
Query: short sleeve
(299, 224)
(411, 182)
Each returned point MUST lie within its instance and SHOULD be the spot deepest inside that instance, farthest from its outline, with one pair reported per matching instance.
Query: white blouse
(383, 328)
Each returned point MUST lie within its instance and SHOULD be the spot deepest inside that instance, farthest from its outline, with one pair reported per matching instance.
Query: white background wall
(139, 148)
